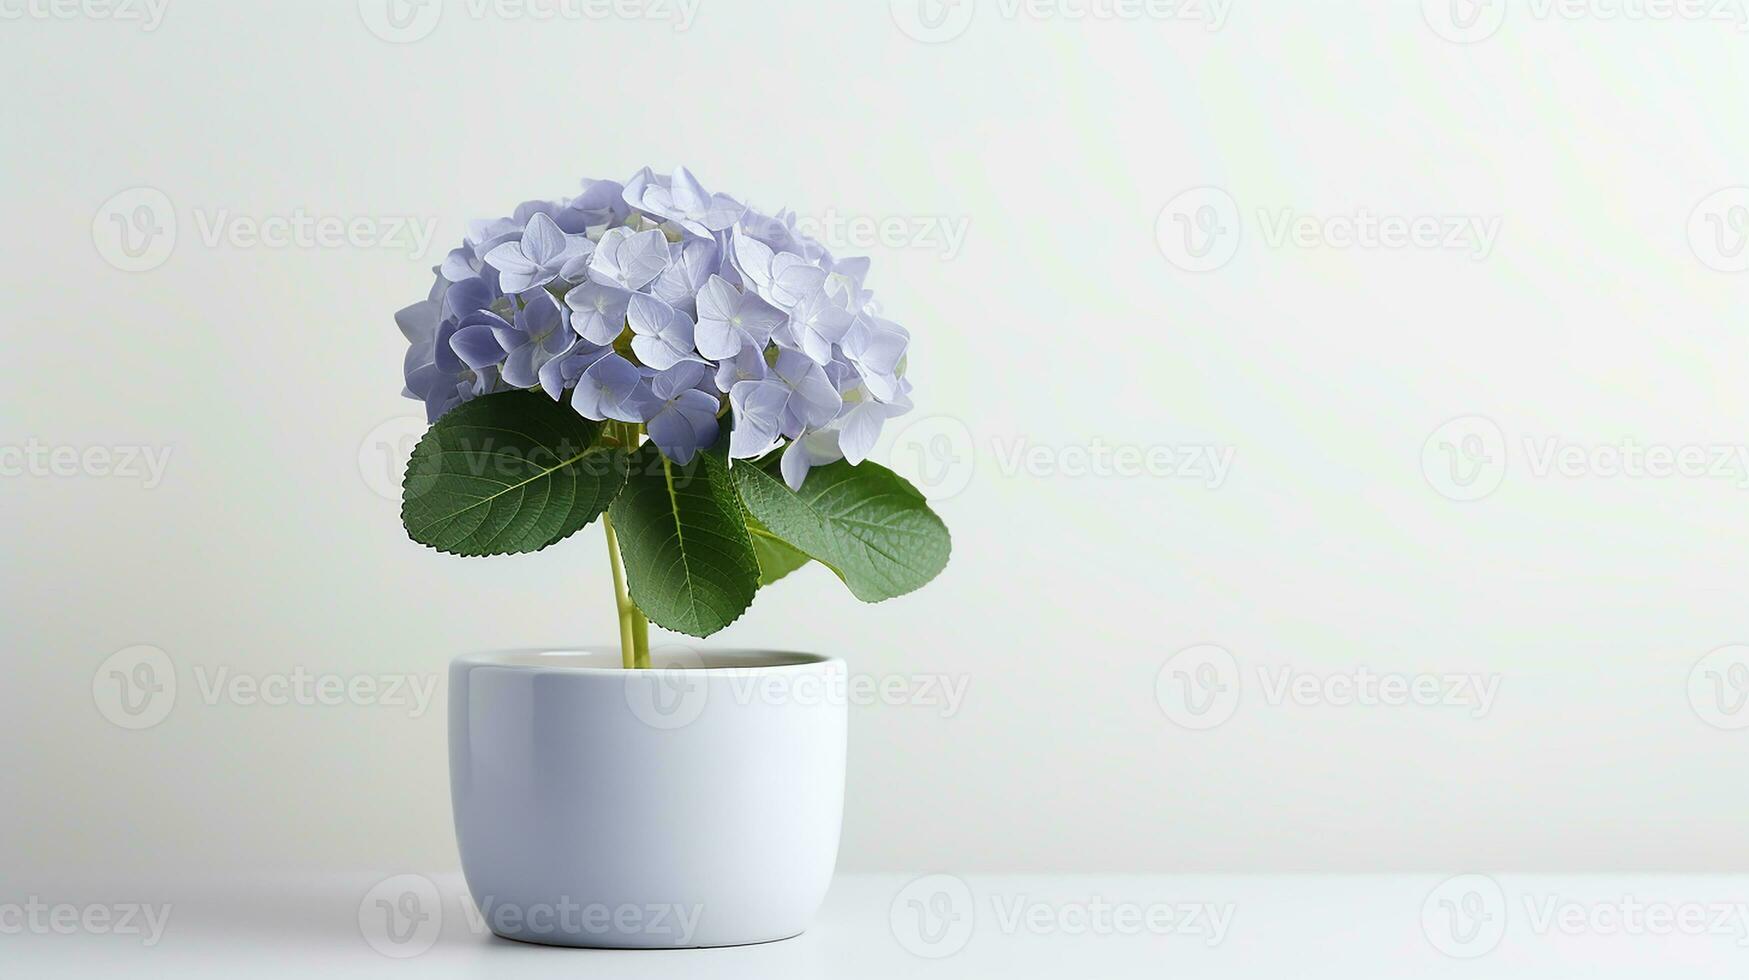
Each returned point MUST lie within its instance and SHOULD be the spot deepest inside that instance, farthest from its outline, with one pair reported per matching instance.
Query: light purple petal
(419, 322)
(598, 312)
(638, 185)
(876, 347)
(730, 321)
(757, 407)
(721, 213)
(460, 263)
(601, 202)
(686, 192)
(684, 425)
(605, 386)
(629, 259)
(860, 428)
(552, 373)
(783, 279)
(509, 259)
(759, 319)
(476, 346)
(690, 264)
(811, 450)
(508, 337)
(542, 241)
(563, 371)
(681, 377)
(541, 317)
(814, 400)
(486, 234)
(576, 267)
(718, 339)
(749, 365)
(521, 368)
(817, 323)
(468, 296)
(662, 335)
(442, 354)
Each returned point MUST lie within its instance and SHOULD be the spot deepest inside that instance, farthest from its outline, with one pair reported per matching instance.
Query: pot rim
(721, 662)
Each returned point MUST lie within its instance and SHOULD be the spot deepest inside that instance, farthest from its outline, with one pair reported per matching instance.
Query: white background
(1600, 316)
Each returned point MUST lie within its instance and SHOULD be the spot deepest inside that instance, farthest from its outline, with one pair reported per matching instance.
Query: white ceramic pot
(696, 804)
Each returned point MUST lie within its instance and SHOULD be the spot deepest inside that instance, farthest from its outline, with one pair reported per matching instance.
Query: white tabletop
(888, 926)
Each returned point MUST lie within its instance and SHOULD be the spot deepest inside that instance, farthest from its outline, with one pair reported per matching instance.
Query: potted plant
(708, 382)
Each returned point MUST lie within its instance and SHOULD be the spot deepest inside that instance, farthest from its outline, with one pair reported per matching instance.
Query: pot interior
(670, 657)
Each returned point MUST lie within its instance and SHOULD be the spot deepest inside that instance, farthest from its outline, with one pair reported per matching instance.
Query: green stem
(634, 628)
(622, 602)
(641, 639)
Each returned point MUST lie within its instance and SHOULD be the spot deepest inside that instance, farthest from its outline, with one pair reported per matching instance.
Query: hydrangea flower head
(659, 302)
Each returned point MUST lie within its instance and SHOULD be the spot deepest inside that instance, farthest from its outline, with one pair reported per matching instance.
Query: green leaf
(874, 530)
(776, 559)
(508, 473)
(689, 560)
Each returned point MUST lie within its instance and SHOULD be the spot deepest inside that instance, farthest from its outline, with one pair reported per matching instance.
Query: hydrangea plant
(706, 379)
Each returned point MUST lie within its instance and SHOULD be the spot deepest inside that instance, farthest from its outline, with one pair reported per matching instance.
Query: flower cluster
(658, 302)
